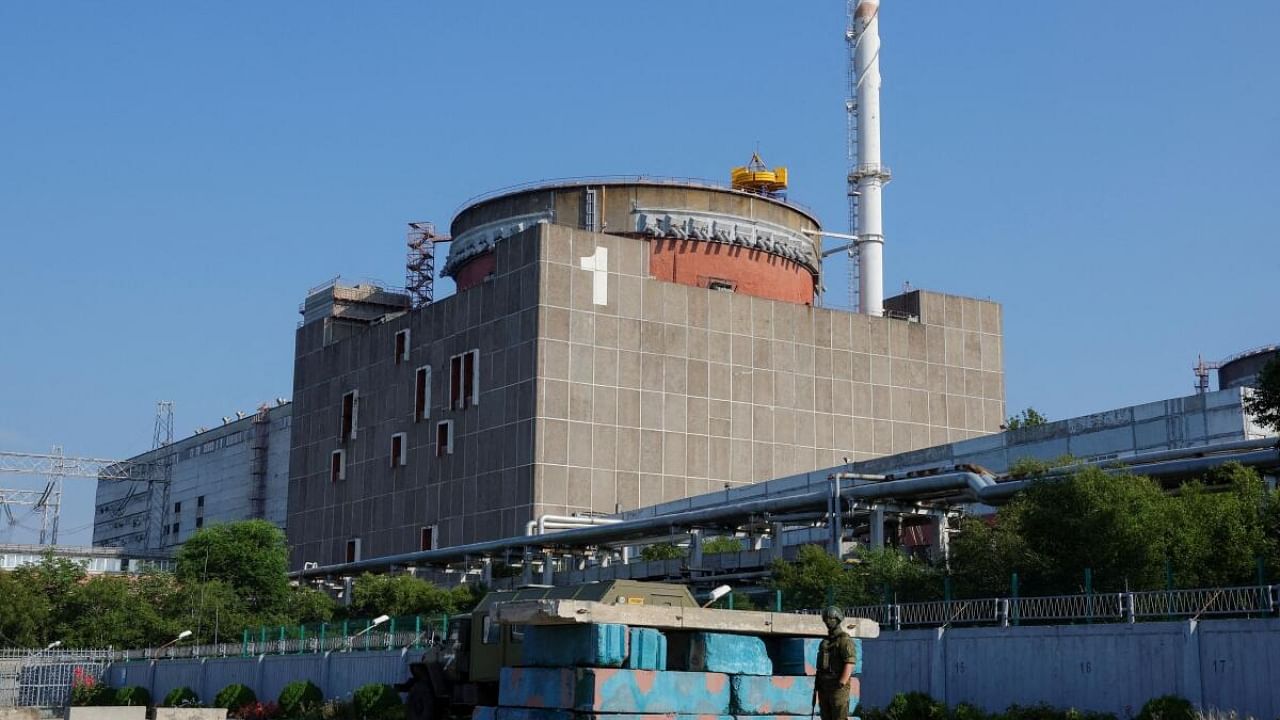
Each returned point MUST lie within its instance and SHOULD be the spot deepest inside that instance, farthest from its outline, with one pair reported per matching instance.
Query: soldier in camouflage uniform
(836, 658)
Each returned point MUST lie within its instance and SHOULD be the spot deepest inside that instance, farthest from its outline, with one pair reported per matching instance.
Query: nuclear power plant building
(610, 345)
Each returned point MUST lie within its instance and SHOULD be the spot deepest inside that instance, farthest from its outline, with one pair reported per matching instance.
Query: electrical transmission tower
(54, 467)
(158, 489)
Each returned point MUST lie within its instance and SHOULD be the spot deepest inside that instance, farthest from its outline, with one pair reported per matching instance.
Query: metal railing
(43, 678)
(400, 633)
(1152, 605)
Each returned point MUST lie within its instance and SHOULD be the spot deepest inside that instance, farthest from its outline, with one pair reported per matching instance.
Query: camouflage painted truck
(619, 650)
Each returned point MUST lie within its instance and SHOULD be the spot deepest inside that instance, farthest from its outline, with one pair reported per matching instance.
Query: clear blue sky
(174, 176)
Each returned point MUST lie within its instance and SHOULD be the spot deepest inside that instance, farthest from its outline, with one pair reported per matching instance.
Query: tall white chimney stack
(868, 176)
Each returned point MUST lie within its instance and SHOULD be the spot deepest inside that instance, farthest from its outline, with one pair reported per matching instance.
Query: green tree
(984, 554)
(1215, 538)
(813, 578)
(25, 619)
(722, 544)
(1264, 402)
(250, 556)
(399, 595)
(891, 571)
(106, 611)
(1115, 524)
(661, 551)
(1025, 419)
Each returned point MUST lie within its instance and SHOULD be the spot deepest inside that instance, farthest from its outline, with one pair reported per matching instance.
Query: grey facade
(599, 399)
(236, 471)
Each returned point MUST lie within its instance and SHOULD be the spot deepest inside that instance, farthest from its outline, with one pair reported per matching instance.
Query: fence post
(777, 601)
(280, 649)
(302, 638)
(244, 644)
(1002, 612)
(1168, 589)
(1013, 599)
(323, 627)
(1126, 606)
(1088, 594)
(417, 631)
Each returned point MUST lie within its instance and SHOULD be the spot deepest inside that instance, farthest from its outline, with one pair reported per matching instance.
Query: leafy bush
(133, 696)
(299, 696)
(181, 697)
(234, 697)
(1034, 712)
(375, 700)
(915, 706)
(965, 711)
(86, 690)
(258, 711)
(1167, 707)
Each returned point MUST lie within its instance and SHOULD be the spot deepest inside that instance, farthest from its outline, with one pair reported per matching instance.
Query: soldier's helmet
(832, 614)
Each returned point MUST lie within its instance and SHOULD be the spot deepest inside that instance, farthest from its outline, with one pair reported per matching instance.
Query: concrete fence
(1222, 664)
(337, 674)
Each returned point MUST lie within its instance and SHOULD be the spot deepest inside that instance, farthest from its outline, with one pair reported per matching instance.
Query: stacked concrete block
(615, 672)
(797, 656)
(597, 645)
(648, 649)
(726, 653)
(778, 696)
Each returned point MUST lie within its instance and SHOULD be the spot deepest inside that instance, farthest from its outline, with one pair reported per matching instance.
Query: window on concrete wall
(464, 380)
(422, 393)
(338, 466)
(200, 502)
(177, 507)
(444, 438)
(427, 538)
(353, 550)
(399, 450)
(402, 346)
(199, 522)
(350, 415)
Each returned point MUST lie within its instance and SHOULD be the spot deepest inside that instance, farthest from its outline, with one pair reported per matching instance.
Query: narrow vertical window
(350, 415)
(471, 378)
(427, 538)
(338, 466)
(422, 393)
(353, 550)
(464, 380)
(402, 346)
(399, 451)
(444, 438)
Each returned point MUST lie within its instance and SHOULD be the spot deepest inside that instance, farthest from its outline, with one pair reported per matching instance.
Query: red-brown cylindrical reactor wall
(475, 271)
(705, 236)
(721, 266)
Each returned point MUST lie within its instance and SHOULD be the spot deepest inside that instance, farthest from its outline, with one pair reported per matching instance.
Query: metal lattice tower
(420, 264)
(54, 467)
(851, 146)
(158, 497)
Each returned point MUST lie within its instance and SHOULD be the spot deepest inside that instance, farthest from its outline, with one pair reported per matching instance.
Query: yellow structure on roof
(756, 177)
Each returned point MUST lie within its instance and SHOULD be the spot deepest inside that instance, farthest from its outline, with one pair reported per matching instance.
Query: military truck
(461, 671)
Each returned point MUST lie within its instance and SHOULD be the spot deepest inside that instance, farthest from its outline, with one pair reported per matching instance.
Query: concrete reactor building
(611, 344)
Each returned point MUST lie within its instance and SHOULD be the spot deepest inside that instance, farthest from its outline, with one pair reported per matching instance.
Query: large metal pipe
(974, 487)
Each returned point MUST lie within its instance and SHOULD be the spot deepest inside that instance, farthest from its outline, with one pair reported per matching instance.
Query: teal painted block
(648, 649)
(595, 645)
(608, 690)
(733, 654)
(799, 656)
(657, 716)
(779, 695)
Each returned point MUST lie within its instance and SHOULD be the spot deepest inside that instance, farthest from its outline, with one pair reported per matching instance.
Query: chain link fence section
(43, 678)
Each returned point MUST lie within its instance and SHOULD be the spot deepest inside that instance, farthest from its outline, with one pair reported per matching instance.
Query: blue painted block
(733, 654)
(481, 712)
(780, 695)
(648, 649)
(799, 656)
(658, 716)
(602, 645)
(608, 690)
